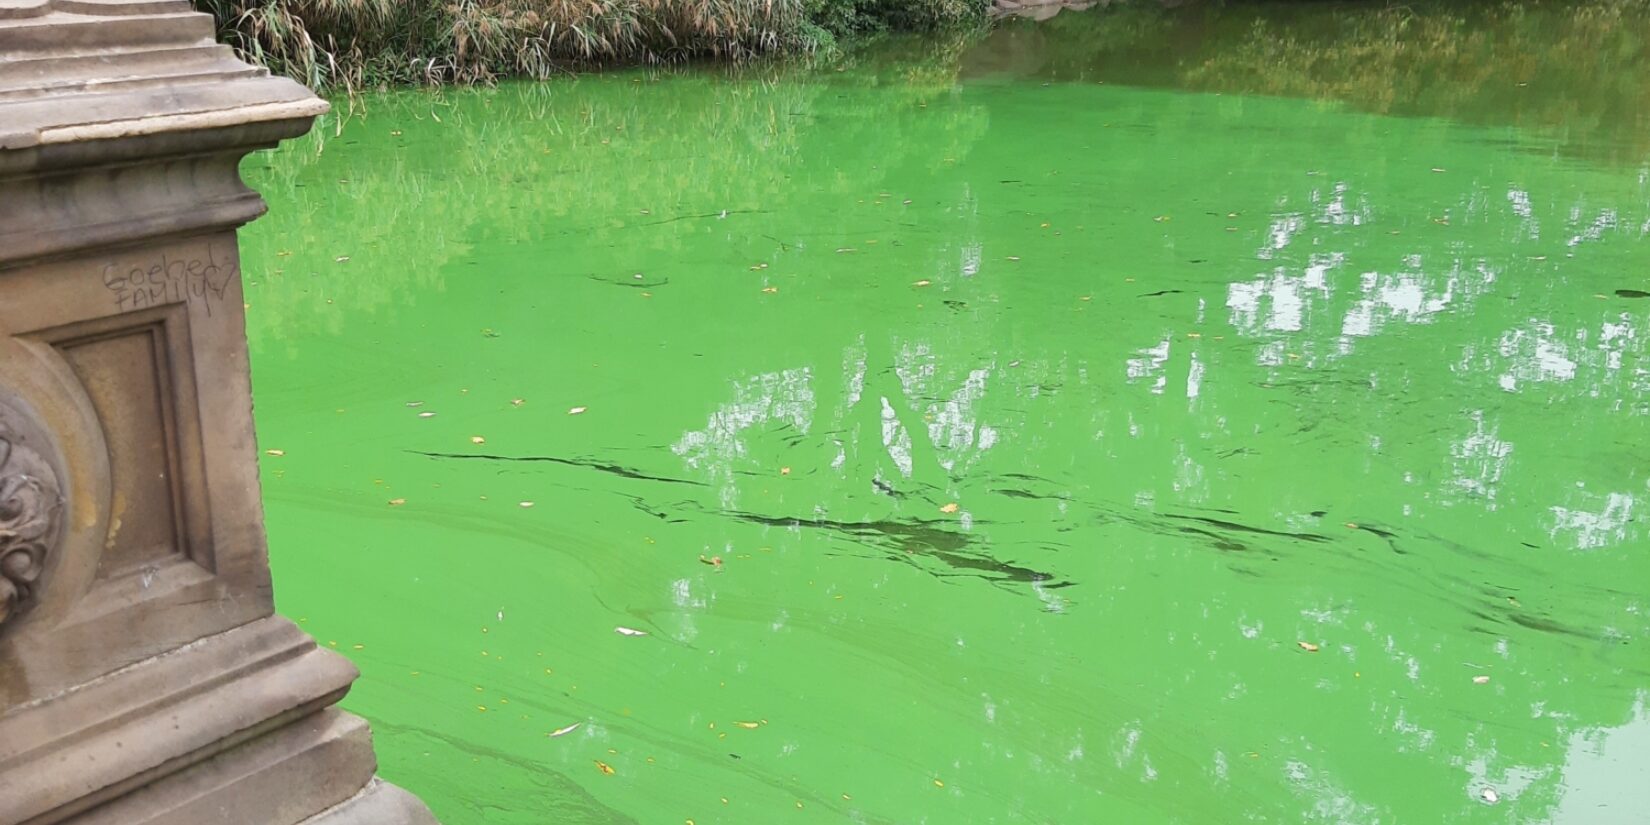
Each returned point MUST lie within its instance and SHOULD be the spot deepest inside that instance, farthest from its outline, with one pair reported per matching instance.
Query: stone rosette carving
(30, 505)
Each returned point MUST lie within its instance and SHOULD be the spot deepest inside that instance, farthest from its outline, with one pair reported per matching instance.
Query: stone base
(317, 770)
(380, 803)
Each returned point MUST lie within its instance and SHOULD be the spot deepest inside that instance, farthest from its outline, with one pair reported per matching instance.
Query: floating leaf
(629, 631)
(524, 504)
(476, 439)
(276, 453)
(1308, 647)
(749, 725)
(340, 259)
(950, 507)
(564, 731)
(1480, 680)
(397, 502)
(770, 289)
(784, 471)
(923, 282)
(426, 415)
(604, 767)
(576, 410)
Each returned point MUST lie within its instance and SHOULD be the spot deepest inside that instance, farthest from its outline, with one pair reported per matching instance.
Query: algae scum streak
(1009, 433)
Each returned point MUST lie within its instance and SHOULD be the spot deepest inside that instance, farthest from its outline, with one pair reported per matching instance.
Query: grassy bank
(332, 44)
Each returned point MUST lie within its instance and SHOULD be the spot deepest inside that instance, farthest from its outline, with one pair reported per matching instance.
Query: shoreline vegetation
(347, 45)
(1374, 54)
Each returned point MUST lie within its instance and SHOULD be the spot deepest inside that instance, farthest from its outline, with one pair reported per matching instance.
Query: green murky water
(1012, 432)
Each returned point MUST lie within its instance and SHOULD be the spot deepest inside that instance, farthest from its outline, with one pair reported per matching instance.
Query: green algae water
(999, 433)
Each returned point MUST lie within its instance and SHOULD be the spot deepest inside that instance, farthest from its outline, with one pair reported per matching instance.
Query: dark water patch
(587, 463)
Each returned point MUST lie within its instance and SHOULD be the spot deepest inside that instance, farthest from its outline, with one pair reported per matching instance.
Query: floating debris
(476, 439)
(629, 631)
(604, 767)
(276, 453)
(577, 410)
(1480, 680)
(564, 731)
(397, 502)
(1308, 647)
(950, 507)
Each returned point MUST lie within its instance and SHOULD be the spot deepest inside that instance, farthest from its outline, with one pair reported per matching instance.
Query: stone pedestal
(144, 677)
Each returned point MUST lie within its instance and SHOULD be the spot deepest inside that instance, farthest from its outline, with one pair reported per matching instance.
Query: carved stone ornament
(30, 506)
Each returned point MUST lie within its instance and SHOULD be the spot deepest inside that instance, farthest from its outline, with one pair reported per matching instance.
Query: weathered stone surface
(378, 802)
(144, 677)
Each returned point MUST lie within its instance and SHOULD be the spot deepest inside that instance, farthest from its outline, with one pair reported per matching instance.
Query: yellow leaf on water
(1308, 647)
(784, 471)
(949, 508)
(604, 767)
(476, 439)
(276, 453)
(576, 411)
(923, 282)
(748, 725)
(939, 784)
(770, 289)
(397, 502)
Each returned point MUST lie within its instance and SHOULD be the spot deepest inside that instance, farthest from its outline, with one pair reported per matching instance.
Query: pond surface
(1005, 432)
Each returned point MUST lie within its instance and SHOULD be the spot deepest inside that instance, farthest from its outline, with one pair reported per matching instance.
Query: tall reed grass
(357, 43)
